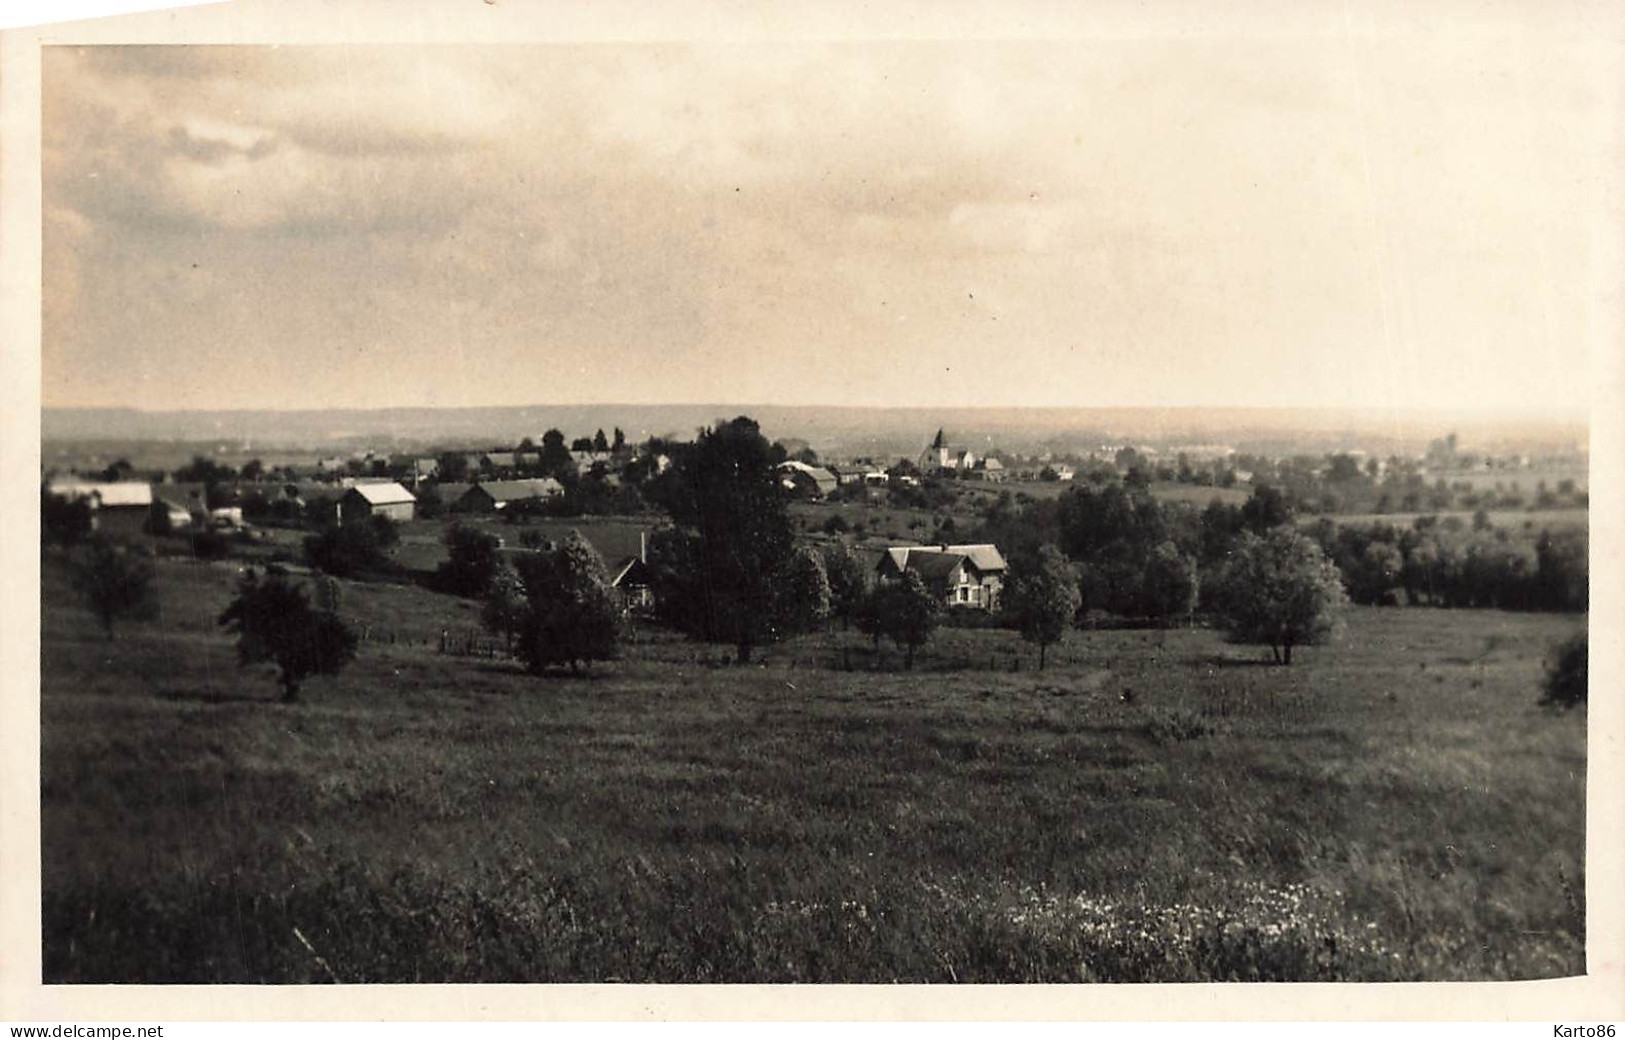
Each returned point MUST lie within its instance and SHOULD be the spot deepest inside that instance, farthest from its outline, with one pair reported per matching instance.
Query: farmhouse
(367, 500)
(117, 507)
(496, 495)
(967, 576)
(806, 481)
(990, 470)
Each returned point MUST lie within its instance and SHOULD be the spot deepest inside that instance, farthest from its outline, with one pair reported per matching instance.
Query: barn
(811, 482)
(367, 500)
(493, 496)
(118, 508)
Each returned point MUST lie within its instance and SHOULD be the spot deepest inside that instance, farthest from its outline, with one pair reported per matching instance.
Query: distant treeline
(1131, 547)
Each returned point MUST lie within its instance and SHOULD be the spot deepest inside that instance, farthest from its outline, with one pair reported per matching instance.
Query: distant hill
(884, 432)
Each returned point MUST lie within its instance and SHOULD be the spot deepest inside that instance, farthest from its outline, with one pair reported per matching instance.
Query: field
(1153, 806)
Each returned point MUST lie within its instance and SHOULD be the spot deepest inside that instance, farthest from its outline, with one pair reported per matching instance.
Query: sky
(1357, 215)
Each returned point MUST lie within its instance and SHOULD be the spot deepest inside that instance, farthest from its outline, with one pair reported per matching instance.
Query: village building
(965, 576)
(117, 507)
(586, 460)
(990, 470)
(423, 469)
(630, 577)
(500, 463)
(382, 499)
(804, 481)
(493, 496)
(177, 515)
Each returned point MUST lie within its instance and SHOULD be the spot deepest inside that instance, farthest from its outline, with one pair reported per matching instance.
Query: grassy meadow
(1153, 806)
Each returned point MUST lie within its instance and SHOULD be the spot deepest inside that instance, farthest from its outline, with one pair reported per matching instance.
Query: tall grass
(1394, 806)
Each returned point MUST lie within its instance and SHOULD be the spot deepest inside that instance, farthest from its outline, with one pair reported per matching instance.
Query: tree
(1565, 685)
(115, 584)
(452, 466)
(204, 470)
(570, 616)
(1171, 583)
(715, 569)
(600, 442)
(64, 522)
(804, 589)
(618, 445)
(1280, 590)
(1379, 570)
(1042, 596)
(581, 444)
(1264, 509)
(556, 460)
(253, 469)
(348, 549)
(274, 622)
(848, 581)
(430, 504)
(907, 612)
(505, 605)
(472, 561)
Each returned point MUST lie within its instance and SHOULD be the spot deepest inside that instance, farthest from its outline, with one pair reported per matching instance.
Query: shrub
(1565, 685)
(208, 544)
(1168, 725)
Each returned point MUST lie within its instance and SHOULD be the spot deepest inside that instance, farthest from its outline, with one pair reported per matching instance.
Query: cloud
(1124, 218)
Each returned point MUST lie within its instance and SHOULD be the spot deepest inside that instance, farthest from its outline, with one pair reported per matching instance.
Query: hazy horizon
(1356, 215)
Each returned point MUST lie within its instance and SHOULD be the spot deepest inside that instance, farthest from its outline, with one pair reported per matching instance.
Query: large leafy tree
(274, 621)
(1043, 597)
(716, 570)
(804, 591)
(1280, 590)
(556, 460)
(570, 615)
(848, 581)
(115, 584)
(1171, 584)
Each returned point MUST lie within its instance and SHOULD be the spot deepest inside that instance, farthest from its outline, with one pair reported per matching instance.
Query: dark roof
(519, 490)
(450, 492)
(935, 568)
(630, 570)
